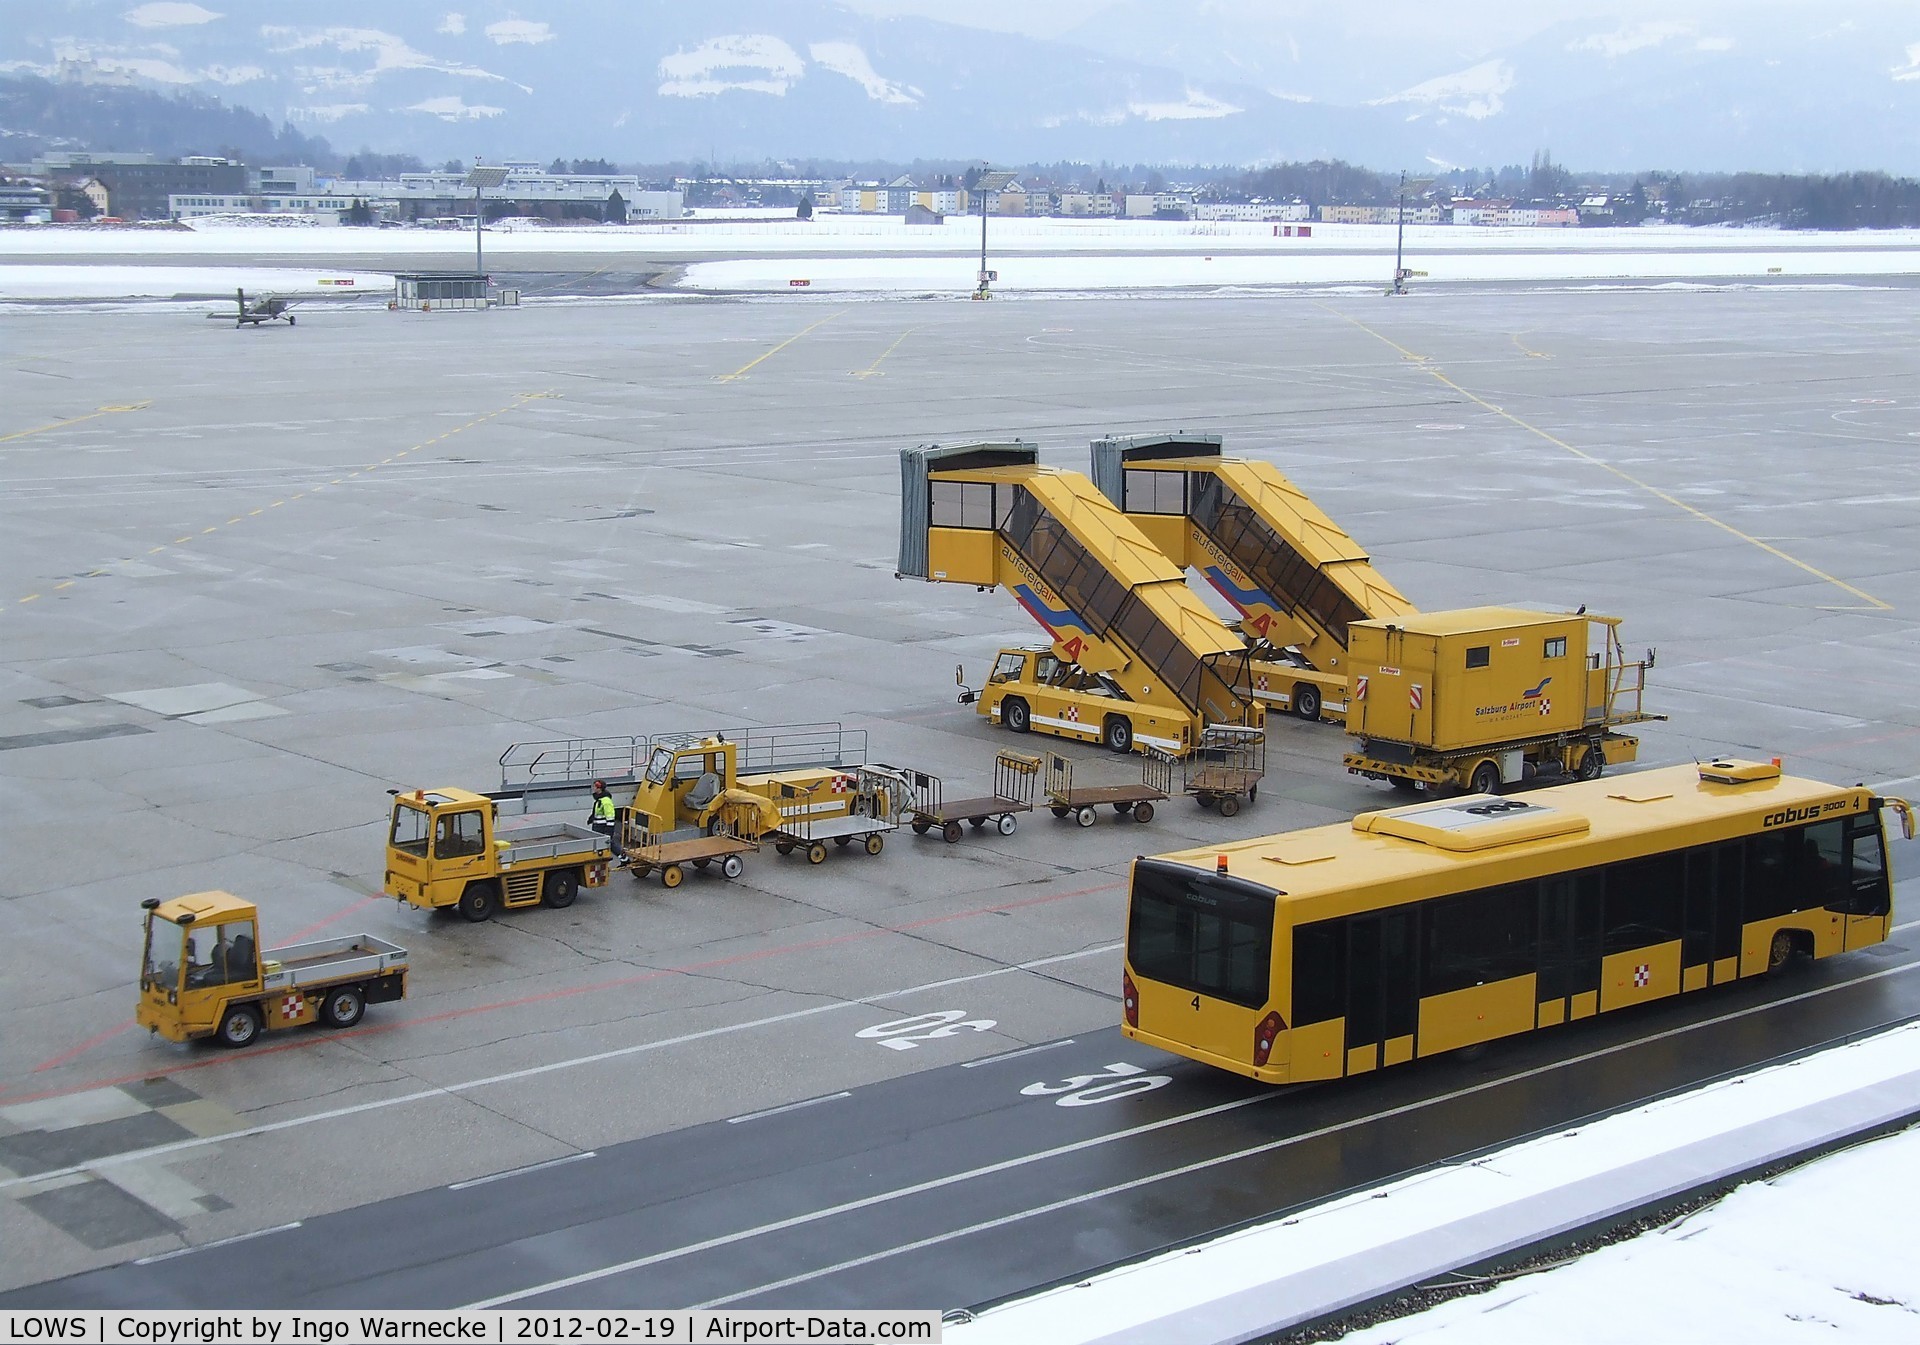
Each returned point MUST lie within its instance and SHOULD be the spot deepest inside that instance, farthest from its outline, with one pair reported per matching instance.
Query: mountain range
(1785, 89)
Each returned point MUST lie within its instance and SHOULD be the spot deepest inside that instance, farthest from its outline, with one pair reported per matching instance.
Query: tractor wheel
(239, 1026)
(479, 901)
(342, 1007)
(560, 888)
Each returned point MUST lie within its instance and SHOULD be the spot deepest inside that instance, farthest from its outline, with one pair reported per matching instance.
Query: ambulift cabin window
(961, 504)
(1479, 656)
(1200, 932)
(1555, 648)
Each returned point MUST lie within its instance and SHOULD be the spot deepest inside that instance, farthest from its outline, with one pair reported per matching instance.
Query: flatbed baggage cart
(1224, 767)
(1014, 774)
(1083, 802)
(733, 835)
(861, 805)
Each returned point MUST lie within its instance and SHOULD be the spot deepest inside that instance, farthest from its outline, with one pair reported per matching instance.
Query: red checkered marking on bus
(1643, 974)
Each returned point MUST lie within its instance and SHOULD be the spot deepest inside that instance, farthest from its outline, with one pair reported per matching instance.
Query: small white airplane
(251, 313)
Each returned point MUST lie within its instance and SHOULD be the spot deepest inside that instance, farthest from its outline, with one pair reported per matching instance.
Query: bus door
(1382, 992)
(1710, 922)
(1570, 922)
(1869, 898)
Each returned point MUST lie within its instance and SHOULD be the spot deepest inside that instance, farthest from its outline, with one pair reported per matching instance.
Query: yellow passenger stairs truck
(1137, 660)
(454, 847)
(1296, 578)
(1487, 696)
(202, 974)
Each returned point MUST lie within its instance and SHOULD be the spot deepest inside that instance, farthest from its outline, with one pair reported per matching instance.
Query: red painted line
(304, 1041)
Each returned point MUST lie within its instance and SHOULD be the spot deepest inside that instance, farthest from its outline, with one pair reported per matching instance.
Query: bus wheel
(342, 1007)
(1015, 715)
(1781, 951)
(1485, 779)
(478, 901)
(239, 1026)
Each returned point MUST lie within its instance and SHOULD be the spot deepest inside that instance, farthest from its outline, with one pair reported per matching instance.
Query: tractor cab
(440, 835)
(201, 950)
(683, 786)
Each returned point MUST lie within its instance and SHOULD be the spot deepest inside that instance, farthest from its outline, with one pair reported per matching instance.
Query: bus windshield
(1202, 932)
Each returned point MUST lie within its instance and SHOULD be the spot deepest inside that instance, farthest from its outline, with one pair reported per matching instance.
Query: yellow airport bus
(1342, 949)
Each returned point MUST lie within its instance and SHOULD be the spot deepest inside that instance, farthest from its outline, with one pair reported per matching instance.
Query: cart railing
(571, 763)
(1156, 774)
(1014, 774)
(780, 747)
(1228, 759)
(879, 794)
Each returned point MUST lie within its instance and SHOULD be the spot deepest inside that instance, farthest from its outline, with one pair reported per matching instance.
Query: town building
(25, 203)
(138, 186)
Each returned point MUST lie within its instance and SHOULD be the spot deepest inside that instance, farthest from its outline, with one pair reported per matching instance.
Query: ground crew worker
(604, 819)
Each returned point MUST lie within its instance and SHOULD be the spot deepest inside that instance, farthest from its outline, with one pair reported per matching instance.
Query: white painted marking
(513, 1076)
(220, 1242)
(1015, 1055)
(1097, 1141)
(791, 1106)
(520, 1172)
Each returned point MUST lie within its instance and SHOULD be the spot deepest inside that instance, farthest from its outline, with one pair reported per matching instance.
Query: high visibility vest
(603, 808)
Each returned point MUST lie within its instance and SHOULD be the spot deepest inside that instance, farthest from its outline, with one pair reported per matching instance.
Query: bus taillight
(1130, 998)
(1265, 1035)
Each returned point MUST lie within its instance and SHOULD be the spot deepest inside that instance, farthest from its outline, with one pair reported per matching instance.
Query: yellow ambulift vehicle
(1137, 661)
(1474, 698)
(202, 974)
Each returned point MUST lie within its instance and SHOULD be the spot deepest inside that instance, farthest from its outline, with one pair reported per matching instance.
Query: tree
(970, 179)
(359, 213)
(805, 209)
(616, 212)
(454, 166)
(558, 167)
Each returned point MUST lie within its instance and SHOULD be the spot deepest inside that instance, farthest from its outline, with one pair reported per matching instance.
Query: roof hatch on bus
(1727, 771)
(1476, 823)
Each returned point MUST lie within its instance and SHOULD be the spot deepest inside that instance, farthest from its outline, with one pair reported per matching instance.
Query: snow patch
(168, 14)
(845, 58)
(453, 25)
(389, 52)
(454, 108)
(699, 73)
(156, 68)
(1474, 92)
(508, 31)
(1635, 37)
(1195, 106)
(326, 112)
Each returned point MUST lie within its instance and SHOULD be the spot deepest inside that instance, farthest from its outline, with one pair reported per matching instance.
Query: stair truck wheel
(560, 888)
(1403, 784)
(1306, 702)
(239, 1026)
(479, 901)
(1117, 733)
(1015, 714)
(733, 866)
(342, 1007)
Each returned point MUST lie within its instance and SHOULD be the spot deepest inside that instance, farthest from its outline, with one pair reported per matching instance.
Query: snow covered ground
(1822, 1252)
(845, 254)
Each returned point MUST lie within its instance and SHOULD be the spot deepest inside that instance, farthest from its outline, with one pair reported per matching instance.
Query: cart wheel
(701, 864)
(1058, 811)
(673, 875)
(1008, 824)
(1206, 800)
(951, 831)
(1253, 792)
(733, 866)
(639, 870)
(1229, 806)
(784, 847)
(976, 822)
(1143, 811)
(1122, 809)
(842, 842)
(921, 828)
(1084, 817)
(875, 843)
(817, 853)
